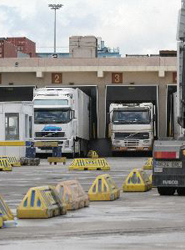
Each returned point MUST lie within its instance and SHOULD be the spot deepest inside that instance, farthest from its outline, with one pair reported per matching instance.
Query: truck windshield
(131, 117)
(51, 116)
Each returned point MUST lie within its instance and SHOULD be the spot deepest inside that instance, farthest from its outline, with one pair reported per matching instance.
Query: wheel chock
(56, 160)
(5, 210)
(72, 194)
(41, 202)
(4, 164)
(92, 154)
(137, 181)
(149, 164)
(89, 164)
(103, 189)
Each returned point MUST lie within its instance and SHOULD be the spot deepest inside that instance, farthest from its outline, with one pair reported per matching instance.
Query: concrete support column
(101, 111)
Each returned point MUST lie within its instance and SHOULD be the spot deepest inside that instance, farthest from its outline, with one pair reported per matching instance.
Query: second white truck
(131, 126)
(62, 115)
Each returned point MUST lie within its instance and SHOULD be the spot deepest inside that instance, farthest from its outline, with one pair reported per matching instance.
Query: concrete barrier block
(41, 202)
(72, 193)
(137, 181)
(103, 189)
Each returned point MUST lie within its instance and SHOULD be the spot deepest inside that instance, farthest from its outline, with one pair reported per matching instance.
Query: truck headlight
(146, 141)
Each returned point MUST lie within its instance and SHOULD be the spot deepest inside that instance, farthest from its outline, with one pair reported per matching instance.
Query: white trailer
(131, 126)
(62, 115)
(16, 122)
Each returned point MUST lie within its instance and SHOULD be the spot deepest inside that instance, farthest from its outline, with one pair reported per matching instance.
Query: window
(30, 126)
(11, 126)
(26, 126)
(131, 117)
(52, 116)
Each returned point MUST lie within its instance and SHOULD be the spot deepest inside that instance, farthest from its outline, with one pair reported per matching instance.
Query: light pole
(55, 7)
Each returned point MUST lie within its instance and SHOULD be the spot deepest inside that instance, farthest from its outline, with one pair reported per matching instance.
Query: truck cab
(131, 126)
(57, 118)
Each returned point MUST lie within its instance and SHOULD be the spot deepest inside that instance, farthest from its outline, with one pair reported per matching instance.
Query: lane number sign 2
(56, 78)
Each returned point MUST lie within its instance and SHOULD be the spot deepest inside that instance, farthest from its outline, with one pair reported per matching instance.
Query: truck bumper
(117, 148)
(168, 180)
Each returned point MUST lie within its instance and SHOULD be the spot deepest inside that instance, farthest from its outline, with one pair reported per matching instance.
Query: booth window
(30, 126)
(11, 126)
(26, 126)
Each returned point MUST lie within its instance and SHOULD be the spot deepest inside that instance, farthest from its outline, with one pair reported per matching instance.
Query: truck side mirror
(154, 117)
(72, 114)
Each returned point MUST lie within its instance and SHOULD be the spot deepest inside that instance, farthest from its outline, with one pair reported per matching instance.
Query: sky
(135, 26)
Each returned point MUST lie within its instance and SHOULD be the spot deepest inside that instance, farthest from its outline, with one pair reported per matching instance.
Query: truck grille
(132, 143)
(49, 134)
(140, 136)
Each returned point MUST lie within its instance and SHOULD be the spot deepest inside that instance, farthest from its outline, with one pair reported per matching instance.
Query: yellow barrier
(41, 202)
(149, 164)
(5, 165)
(1, 219)
(92, 154)
(12, 160)
(89, 164)
(12, 143)
(6, 212)
(137, 181)
(72, 193)
(45, 144)
(56, 160)
(104, 189)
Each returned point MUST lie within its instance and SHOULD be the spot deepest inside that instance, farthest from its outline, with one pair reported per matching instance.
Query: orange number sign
(56, 78)
(117, 77)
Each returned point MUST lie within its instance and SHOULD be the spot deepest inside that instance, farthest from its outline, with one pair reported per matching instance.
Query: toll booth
(16, 122)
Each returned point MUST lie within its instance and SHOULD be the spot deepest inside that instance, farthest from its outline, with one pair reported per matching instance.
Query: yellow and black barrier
(12, 160)
(6, 213)
(5, 164)
(149, 164)
(56, 160)
(41, 202)
(92, 154)
(72, 193)
(103, 189)
(137, 181)
(89, 164)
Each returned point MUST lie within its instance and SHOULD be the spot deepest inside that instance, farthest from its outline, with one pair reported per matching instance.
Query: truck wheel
(181, 191)
(166, 190)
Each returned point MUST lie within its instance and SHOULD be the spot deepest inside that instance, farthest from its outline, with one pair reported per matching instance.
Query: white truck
(61, 115)
(131, 126)
(169, 154)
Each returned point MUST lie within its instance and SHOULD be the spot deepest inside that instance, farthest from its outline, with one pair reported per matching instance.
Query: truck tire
(181, 191)
(166, 190)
